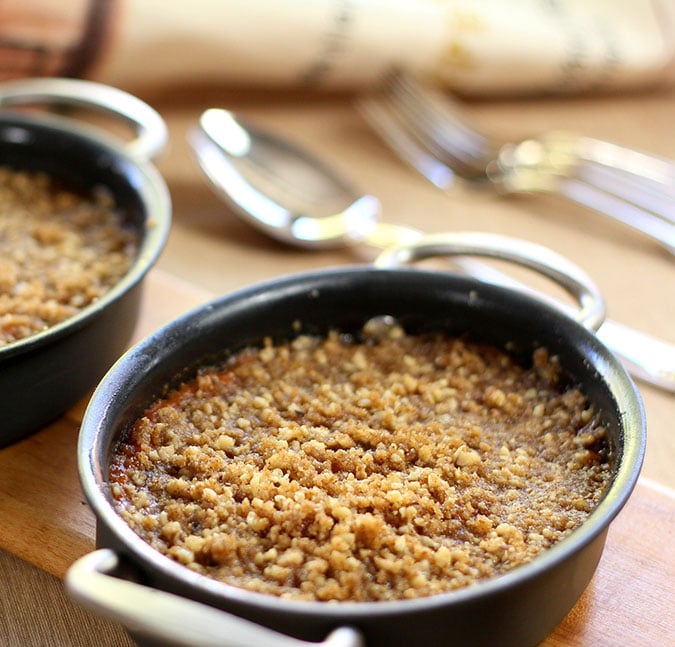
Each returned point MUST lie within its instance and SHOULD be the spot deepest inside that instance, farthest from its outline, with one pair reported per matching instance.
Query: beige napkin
(479, 47)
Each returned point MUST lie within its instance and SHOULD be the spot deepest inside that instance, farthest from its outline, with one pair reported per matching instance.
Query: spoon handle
(647, 358)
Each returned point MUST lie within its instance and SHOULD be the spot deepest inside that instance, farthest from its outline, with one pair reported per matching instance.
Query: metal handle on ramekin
(173, 619)
(151, 131)
(571, 277)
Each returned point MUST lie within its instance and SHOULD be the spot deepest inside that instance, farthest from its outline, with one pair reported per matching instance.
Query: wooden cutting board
(45, 520)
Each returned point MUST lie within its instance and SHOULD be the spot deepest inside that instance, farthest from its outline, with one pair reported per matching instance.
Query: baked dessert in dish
(366, 467)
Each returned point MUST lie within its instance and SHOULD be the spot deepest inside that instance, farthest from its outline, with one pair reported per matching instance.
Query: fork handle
(644, 180)
(612, 204)
(633, 188)
(634, 170)
(654, 196)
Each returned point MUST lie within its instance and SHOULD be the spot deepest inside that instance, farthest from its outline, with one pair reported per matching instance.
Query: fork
(428, 130)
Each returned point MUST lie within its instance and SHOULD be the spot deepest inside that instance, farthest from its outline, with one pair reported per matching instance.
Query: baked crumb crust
(330, 469)
(59, 252)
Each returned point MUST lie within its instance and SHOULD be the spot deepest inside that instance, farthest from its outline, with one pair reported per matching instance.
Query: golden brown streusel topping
(59, 251)
(325, 469)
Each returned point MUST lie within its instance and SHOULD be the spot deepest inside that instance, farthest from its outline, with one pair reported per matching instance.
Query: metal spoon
(292, 196)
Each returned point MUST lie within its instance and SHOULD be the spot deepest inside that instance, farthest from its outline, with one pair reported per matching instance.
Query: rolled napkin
(473, 47)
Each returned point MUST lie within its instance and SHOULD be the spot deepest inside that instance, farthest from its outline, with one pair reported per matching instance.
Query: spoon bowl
(279, 188)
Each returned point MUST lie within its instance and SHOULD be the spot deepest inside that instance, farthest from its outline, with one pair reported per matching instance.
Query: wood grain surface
(47, 523)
